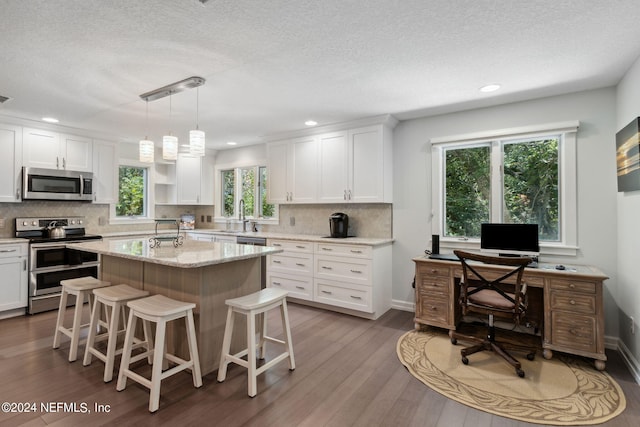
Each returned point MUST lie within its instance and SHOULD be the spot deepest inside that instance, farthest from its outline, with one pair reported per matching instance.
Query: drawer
(432, 310)
(358, 251)
(434, 285)
(294, 263)
(575, 332)
(574, 302)
(13, 250)
(433, 270)
(572, 285)
(291, 245)
(496, 274)
(351, 270)
(344, 295)
(298, 286)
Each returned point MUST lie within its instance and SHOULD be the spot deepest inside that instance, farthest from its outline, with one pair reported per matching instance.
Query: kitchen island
(204, 273)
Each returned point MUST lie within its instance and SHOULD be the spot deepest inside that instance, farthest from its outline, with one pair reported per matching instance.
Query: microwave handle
(81, 185)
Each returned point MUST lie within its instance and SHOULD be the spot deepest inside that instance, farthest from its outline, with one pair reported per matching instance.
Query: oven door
(48, 282)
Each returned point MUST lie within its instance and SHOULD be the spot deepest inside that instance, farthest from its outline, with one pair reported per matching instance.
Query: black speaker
(435, 244)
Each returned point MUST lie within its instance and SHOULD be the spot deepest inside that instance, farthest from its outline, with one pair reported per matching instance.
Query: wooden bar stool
(81, 287)
(159, 309)
(115, 297)
(252, 305)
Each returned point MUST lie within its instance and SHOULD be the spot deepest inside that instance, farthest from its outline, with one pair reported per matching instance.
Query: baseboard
(403, 305)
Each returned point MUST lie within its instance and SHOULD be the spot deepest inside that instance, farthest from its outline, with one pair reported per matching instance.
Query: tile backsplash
(365, 220)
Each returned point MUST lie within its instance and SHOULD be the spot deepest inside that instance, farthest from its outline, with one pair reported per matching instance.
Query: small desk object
(573, 318)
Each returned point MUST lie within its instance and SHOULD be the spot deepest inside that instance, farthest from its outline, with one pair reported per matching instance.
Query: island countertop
(191, 254)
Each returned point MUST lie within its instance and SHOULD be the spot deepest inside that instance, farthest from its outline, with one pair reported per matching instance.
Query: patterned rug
(561, 391)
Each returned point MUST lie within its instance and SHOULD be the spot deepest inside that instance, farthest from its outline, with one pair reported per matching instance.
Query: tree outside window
(132, 192)
(250, 185)
(228, 192)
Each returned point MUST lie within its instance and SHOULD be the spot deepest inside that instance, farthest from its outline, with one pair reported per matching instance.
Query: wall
(628, 232)
(596, 181)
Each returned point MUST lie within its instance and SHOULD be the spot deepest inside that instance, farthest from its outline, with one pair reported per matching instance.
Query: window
(524, 175)
(133, 198)
(247, 184)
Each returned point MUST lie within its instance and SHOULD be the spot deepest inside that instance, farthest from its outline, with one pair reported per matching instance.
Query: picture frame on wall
(628, 156)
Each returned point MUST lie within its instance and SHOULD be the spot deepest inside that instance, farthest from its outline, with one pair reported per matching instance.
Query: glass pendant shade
(146, 151)
(169, 147)
(196, 142)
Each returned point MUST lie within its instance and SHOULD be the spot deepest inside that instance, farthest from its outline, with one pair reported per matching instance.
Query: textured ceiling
(271, 65)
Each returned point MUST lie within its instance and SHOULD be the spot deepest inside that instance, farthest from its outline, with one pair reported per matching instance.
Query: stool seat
(80, 287)
(159, 305)
(161, 310)
(116, 298)
(252, 305)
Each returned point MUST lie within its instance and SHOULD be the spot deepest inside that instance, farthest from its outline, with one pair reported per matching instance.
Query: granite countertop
(191, 254)
(369, 241)
(9, 240)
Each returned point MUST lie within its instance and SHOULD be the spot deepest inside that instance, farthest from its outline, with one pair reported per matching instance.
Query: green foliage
(248, 193)
(267, 208)
(228, 192)
(131, 192)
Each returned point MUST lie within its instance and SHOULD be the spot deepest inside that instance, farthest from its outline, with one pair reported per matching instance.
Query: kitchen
(286, 75)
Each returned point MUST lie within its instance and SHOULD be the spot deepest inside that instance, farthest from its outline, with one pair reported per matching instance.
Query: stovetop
(35, 229)
(67, 238)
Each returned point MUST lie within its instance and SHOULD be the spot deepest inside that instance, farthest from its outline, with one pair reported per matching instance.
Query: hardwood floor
(347, 373)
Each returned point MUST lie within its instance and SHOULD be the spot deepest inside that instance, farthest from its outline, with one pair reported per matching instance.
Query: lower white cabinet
(13, 270)
(353, 277)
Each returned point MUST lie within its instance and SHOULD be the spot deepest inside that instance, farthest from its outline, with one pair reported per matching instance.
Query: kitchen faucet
(242, 217)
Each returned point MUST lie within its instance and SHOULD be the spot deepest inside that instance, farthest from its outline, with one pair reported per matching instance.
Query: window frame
(567, 186)
(148, 193)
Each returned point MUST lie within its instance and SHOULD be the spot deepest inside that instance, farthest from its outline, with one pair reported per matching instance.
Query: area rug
(562, 391)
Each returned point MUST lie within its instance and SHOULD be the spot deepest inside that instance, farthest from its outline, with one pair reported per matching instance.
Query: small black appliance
(339, 224)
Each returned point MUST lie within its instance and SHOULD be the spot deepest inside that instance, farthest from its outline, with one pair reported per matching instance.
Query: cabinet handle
(327, 249)
(300, 287)
(327, 268)
(24, 265)
(276, 244)
(326, 292)
(356, 271)
(572, 302)
(18, 194)
(434, 308)
(301, 247)
(349, 194)
(275, 261)
(355, 251)
(345, 195)
(299, 264)
(57, 162)
(64, 163)
(4, 251)
(434, 271)
(577, 332)
(355, 297)
(572, 286)
(277, 283)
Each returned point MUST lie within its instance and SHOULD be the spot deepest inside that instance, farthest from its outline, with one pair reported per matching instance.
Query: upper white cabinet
(194, 180)
(10, 163)
(292, 170)
(105, 172)
(51, 150)
(333, 172)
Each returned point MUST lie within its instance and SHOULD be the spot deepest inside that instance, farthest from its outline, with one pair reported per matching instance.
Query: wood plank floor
(347, 374)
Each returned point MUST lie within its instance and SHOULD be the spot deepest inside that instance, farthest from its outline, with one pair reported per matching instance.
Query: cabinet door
(13, 286)
(105, 172)
(10, 163)
(76, 153)
(366, 166)
(41, 149)
(277, 183)
(303, 169)
(332, 173)
(188, 170)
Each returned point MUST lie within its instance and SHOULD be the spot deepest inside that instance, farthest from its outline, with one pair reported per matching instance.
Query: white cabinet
(201, 237)
(164, 181)
(194, 179)
(13, 270)
(105, 172)
(224, 238)
(10, 163)
(50, 150)
(292, 269)
(292, 170)
(355, 166)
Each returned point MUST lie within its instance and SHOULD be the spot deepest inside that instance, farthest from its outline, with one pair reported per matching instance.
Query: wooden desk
(573, 318)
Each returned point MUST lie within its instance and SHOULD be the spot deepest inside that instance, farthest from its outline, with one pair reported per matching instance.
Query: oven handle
(48, 246)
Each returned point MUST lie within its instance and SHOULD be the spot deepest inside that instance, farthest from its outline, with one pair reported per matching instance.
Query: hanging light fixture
(196, 137)
(146, 146)
(169, 142)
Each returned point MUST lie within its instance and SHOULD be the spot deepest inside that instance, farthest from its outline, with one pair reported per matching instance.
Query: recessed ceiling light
(232, 143)
(310, 123)
(50, 120)
(490, 88)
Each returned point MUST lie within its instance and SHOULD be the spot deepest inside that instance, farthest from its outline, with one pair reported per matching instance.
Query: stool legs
(252, 381)
(287, 334)
(226, 346)
(60, 320)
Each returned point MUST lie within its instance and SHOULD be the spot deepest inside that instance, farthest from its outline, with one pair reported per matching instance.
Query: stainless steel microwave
(56, 184)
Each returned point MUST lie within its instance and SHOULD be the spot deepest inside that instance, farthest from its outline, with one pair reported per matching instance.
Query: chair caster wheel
(465, 360)
(520, 373)
(454, 341)
(531, 356)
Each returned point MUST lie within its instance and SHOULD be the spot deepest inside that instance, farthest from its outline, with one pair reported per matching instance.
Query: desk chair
(504, 297)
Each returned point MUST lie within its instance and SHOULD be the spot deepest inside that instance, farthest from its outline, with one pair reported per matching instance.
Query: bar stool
(252, 305)
(80, 287)
(115, 297)
(158, 309)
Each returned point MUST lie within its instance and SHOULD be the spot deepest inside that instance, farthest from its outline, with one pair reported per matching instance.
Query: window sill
(546, 249)
(223, 220)
(124, 221)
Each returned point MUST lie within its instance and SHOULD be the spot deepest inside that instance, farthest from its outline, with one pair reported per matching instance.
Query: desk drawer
(434, 285)
(572, 285)
(432, 310)
(574, 302)
(433, 270)
(537, 282)
(574, 331)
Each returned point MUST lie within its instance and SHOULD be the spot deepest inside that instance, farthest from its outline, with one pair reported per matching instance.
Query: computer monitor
(510, 239)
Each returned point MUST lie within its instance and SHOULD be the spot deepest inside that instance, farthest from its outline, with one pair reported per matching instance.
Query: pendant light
(196, 137)
(146, 146)
(169, 142)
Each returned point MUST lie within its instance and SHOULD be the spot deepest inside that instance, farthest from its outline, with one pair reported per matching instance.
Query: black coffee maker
(339, 224)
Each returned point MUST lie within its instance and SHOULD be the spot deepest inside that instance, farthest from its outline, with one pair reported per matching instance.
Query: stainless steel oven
(50, 261)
